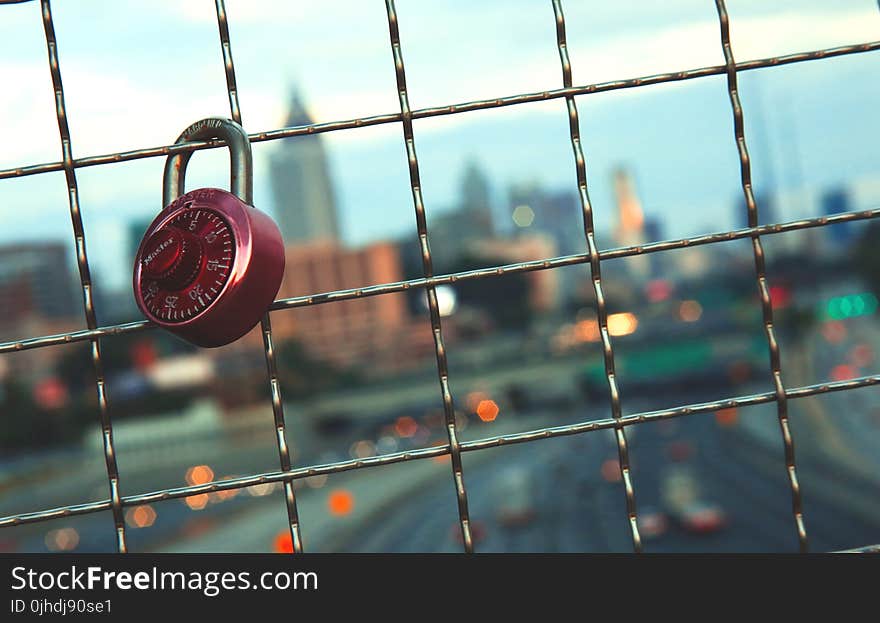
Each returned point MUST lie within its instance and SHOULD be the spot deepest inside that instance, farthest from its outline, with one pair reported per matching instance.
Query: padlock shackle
(240, 159)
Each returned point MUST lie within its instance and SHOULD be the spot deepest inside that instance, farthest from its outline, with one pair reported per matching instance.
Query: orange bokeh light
(197, 502)
(283, 544)
(62, 540)
(726, 417)
(690, 311)
(340, 502)
(487, 410)
(199, 475)
(586, 331)
(226, 494)
(141, 516)
(622, 324)
(405, 426)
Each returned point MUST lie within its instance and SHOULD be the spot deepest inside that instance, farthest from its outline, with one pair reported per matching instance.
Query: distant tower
(839, 235)
(457, 231)
(305, 204)
(630, 230)
(630, 218)
(476, 206)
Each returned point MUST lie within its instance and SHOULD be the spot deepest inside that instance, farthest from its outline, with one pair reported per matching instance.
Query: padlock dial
(186, 263)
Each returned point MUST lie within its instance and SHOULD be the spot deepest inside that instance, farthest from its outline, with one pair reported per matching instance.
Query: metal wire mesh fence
(594, 257)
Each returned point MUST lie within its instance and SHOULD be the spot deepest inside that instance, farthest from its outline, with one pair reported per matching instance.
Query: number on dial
(218, 255)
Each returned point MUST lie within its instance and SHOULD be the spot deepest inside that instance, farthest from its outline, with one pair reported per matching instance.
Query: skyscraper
(454, 232)
(630, 217)
(36, 284)
(836, 201)
(476, 206)
(630, 228)
(305, 204)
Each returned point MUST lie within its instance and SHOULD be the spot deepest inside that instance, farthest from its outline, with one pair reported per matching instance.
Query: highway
(856, 414)
(577, 510)
(570, 483)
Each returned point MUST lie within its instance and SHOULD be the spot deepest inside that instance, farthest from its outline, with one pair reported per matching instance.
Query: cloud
(114, 110)
(245, 11)
(341, 57)
(110, 111)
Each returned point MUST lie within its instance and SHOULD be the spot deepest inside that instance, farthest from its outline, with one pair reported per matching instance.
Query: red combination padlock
(210, 264)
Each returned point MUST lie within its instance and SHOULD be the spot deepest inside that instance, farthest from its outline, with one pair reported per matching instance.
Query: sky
(137, 72)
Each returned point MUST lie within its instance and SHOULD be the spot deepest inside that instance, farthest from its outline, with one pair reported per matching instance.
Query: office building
(305, 202)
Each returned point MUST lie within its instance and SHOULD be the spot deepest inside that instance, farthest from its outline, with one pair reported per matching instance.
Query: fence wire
(265, 322)
(739, 131)
(596, 274)
(454, 448)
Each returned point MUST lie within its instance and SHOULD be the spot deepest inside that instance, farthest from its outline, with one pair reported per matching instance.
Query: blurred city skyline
(675, 139)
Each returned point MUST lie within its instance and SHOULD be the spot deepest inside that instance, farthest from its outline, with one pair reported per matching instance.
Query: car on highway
(513, 493)
(680, 493)
(653, 523)
(702, 518)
